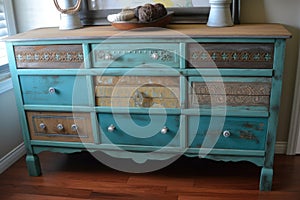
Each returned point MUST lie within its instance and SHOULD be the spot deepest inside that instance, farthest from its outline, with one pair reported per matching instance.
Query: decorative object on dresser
(220, 15)
(95, 12)
(153, 94)
(69, 17)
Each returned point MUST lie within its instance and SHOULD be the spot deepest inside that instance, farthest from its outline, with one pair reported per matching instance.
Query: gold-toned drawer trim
(64, 127)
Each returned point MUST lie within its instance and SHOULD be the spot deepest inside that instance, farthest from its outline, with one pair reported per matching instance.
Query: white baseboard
(280, 147)
(13, 156)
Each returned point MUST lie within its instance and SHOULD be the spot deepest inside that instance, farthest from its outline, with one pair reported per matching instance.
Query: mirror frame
(181, 14)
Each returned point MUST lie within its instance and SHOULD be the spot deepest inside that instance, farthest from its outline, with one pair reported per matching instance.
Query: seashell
(124, 15)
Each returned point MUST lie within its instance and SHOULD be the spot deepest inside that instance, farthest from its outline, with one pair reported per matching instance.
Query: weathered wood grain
(76, 127)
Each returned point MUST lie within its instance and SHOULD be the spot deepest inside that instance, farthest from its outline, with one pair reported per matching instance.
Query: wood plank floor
(80, 176)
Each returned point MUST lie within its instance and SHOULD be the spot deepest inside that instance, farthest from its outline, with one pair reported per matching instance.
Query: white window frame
(6, 84)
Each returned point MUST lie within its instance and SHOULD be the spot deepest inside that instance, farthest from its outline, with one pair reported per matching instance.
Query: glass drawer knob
(108, 57)
(42, 126)
(60, 127)
(51, 90)
(164, 130)
(111, 128)
(74, 127)
(226, 133)
(155, 56)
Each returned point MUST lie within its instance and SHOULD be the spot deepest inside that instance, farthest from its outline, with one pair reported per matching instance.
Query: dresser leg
(266, 178)
(33, 165)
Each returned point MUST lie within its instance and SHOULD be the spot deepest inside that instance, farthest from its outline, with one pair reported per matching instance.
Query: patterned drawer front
(135, 55)
(50, 56)
(137, 91)
(54, 90)
(66, 127)
(140, 129)
(231, 55)
(237, 133)
(231, 92)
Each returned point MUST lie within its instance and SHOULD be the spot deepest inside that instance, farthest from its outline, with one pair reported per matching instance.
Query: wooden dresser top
(173, 30)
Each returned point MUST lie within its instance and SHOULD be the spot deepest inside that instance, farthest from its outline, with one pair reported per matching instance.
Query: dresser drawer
(137, 91)
(54, 90)
(140, 129)
(231, 55)
(232, 91)
(65, 127)
(135, 55)
(49, 56)
(237, 133)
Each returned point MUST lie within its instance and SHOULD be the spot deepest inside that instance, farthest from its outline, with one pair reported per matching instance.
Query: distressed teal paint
(230, 79)
(267, 171)
(228, 72)
(120, 110)
(135, 55)
(183, 55)
(69, 90)
(245, 133)
(32, 160)
(143, 130)
(239, 111)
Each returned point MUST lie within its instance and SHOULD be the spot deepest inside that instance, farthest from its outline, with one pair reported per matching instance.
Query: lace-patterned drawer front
(231, 55)
(49, 56)
(66, 127)
(230, 92)
(135, 55)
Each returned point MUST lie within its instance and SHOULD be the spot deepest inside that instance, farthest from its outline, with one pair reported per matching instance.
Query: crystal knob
(108, 57)
(51, 90)
(155, 56)
(138, 99)
(164, 130)
(226, 133)
(111, 128)
(60, 127)
(42, 126)
(74, 127)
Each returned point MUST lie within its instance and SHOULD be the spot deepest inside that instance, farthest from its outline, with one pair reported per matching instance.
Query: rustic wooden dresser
(186, 90)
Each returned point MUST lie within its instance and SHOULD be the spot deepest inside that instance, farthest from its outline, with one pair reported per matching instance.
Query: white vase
(220, 15)
(69, 20)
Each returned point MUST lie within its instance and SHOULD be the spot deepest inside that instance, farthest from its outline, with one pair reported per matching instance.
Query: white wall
(32, 14)
(10, 130)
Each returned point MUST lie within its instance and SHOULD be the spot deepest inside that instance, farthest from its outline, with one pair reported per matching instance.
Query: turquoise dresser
(152, 94)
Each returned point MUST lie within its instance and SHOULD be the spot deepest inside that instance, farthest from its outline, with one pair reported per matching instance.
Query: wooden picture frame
(181, 14)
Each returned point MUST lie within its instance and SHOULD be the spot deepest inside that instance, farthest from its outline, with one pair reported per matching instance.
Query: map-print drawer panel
(49, 56)
(230, 55)
(54, 90)
(135, 55)
(65, 127)
(137, 91)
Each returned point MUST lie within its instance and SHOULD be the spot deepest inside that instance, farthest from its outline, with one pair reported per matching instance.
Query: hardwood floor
(80, 176)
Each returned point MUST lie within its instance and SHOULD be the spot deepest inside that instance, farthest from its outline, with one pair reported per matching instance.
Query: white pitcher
(220, 15)
(69, 17)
